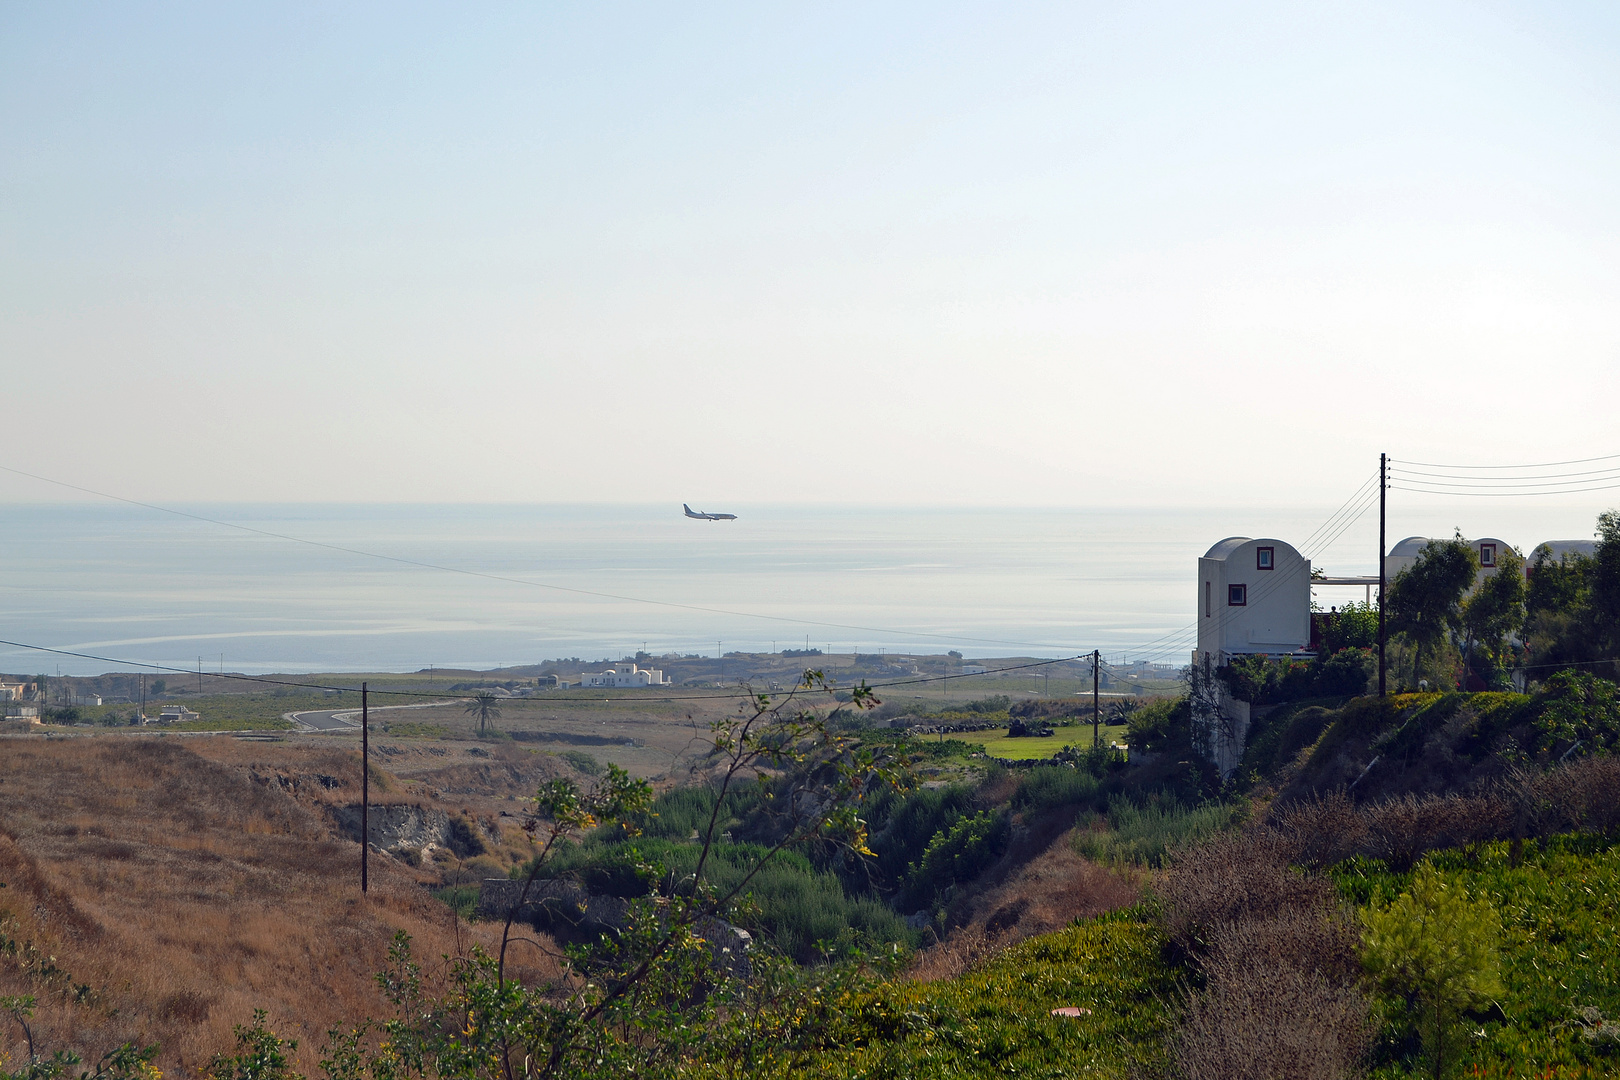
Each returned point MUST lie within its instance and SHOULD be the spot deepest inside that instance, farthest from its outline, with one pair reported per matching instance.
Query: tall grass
(1054, 785)
(1132, 834)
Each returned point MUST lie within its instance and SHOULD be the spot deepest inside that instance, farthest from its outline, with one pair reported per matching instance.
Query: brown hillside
(185, 892)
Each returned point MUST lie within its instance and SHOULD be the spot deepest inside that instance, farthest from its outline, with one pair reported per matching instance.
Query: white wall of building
(1254, 596)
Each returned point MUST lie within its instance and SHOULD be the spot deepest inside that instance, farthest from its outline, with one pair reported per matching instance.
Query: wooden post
(365, 785)
(1383, 486)
(1096, 709)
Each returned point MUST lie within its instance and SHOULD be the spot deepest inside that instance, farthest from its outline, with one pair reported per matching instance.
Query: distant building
(22, 712)
(174, 714)
(973, 669)
(625, 675)
(1554, 550)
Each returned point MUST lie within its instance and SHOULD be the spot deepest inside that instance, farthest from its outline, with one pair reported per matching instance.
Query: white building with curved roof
(1254, 596)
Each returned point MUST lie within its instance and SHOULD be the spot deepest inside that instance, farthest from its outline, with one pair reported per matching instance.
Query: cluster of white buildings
(1254, 598)
(625, 675)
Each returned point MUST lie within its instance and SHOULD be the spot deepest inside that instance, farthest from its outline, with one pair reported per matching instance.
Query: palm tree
(483, 706)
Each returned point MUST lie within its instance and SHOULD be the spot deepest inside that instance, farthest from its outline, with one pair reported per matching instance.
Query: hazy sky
(992, 253)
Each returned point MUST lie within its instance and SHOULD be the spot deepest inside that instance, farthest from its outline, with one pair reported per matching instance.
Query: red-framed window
(1265, 558)
(1487, 555)
(1237, 595)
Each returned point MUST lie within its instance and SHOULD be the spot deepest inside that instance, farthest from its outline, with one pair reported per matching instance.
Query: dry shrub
(1401, 831)
(1278, 957)
(1582, 795)
(1042, 896)
(1278, 1022)
(959, 953)
(1323, 830)
(1233, 877)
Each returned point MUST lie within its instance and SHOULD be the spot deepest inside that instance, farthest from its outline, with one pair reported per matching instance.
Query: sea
(328, 587)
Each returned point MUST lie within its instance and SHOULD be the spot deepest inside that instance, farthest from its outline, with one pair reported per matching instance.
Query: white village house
(626, 674)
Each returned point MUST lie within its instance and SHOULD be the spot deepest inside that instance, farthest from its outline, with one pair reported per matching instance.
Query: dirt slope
(181, 893)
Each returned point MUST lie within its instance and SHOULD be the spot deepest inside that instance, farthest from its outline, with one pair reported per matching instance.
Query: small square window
(1237, 595)
(1264, 558)
(1487, 555)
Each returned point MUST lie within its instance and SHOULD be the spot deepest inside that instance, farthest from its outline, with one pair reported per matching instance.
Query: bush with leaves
(959, 854)
(1575, 707)
(1434, 952)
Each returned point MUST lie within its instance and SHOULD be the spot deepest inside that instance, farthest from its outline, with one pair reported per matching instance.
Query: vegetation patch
(1558, 901)
(998, 1021)
(1038, 748)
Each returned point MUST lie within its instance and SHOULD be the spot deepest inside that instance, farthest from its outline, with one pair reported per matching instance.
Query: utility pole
(1096, 706)
(199, 674)
(1383, 637)
(365, 784)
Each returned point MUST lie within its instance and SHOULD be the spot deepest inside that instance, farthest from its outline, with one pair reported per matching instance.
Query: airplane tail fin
(688, 509)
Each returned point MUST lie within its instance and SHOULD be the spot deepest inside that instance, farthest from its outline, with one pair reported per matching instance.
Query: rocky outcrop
(398, 827)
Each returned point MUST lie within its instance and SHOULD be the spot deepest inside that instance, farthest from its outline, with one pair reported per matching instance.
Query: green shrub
(1142, 834)
(957, 855)
(903, 824)
(996, 1020)
(583, 762)
(788, 903)
(1435, 952)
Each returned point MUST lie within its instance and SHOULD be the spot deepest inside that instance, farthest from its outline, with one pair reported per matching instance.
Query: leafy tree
(1576, 706)
(486, 707)
(1425, 599)
(1435, 952)
(1605, 579)
(1494, 611)
(1354, 626)
(1573, 606)
(1559, 627)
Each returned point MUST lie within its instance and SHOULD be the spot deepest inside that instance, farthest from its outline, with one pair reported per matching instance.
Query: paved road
(349, 719)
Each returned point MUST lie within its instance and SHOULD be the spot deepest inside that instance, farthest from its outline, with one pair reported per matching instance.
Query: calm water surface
(141, 585)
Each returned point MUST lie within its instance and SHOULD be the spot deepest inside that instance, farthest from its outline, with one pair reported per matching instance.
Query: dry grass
(1042, 896)
(186, 892)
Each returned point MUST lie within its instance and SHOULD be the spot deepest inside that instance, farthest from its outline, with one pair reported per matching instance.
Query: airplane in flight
(701, 516)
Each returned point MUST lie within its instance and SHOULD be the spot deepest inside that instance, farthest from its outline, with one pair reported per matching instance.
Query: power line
(1542, 465)
(1607, 470)
(1501, 494)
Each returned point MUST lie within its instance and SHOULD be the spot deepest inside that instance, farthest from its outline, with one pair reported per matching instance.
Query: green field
(996, 743)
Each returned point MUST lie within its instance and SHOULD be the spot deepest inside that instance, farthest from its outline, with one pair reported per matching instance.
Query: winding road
(347, 719)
